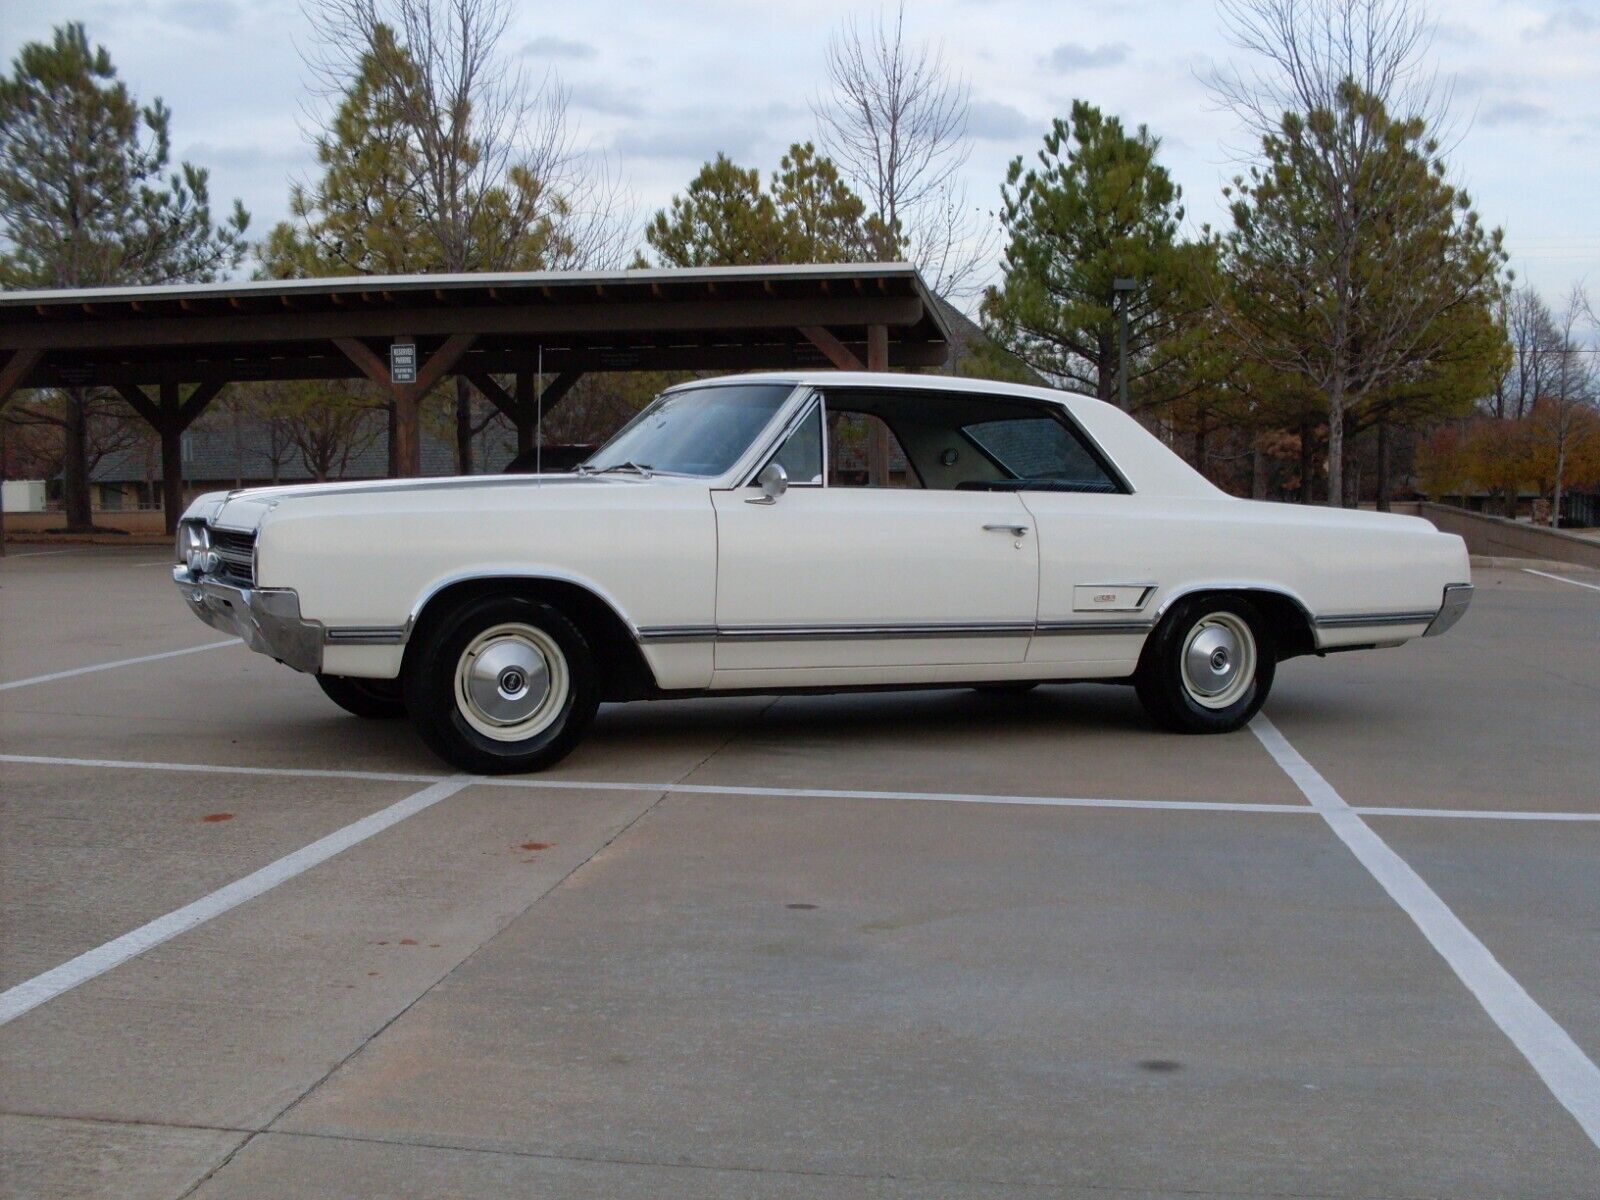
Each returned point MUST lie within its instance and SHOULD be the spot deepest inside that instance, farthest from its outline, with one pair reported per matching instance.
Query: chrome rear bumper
(1456, 598)
(266, 619)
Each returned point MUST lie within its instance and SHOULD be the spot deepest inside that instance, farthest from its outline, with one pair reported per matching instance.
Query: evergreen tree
(1098, 207)
(86, 201)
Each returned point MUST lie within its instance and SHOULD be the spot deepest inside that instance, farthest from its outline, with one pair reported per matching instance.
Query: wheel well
(624, 674)
(1289, 623)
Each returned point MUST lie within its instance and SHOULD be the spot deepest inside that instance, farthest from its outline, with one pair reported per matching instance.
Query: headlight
(194, 540)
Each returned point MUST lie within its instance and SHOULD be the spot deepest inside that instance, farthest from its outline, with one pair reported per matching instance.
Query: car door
(874, 584)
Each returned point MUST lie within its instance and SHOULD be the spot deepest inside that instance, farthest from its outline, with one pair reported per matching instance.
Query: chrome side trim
(1054, 628)
(1454, 606)
(828, 633)
(367, 635)
(653, 634)
(1359, 620)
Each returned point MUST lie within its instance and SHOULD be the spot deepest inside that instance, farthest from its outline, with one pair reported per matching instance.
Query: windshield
(696, 431)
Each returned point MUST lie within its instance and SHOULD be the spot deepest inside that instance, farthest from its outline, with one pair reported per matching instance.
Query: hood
(245, 508)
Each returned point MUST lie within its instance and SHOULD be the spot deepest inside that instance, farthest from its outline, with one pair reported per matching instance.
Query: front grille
(237, 552)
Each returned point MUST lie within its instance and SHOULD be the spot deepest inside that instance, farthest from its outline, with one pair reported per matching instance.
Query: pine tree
(86, 201)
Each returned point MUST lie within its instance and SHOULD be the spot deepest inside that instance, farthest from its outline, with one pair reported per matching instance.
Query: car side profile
(810, 531)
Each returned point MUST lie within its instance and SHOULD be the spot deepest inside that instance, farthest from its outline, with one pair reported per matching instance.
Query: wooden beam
(370, 365)
(556, 390)
(203, 394)
(16, 370)
(522, 320)
(494, 393)
(441, 361)
(140, 403)
(832, 348)
(482, 359)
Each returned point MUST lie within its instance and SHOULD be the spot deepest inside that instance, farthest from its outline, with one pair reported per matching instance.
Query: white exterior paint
(696, 572)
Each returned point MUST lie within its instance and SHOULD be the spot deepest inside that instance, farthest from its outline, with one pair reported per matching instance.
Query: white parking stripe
(36, 553)
(1569, 1074)
(1561, 579)
(27, 996)
(713, 789)
(121, 662)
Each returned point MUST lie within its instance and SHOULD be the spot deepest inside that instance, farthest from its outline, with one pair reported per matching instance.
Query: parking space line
(1561, 579)
(27, 996)
(121, 662)
(1572, 1078)
(714, 789)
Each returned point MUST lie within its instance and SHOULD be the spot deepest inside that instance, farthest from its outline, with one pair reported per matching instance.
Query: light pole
(1123, 290)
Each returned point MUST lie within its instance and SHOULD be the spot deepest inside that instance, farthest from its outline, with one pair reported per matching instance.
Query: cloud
(697, 143)
(990, 120)
(202, 16)
(603, 98)
(1564, 23)
(1071, 56)
(554, 47)
(1512, 112)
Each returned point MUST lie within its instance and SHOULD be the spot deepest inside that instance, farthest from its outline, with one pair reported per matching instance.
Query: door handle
(1013, 530)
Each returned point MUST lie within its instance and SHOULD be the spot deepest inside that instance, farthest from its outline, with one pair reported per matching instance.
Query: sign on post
(402, 362)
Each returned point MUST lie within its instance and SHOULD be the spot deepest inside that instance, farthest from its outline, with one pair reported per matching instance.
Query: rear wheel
(372, 698)
(503, 684)
(1208, 666)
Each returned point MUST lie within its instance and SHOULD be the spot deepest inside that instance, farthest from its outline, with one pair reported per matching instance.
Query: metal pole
(1123, 288)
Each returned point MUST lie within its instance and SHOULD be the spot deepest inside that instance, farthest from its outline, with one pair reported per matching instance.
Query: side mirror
(773, 482)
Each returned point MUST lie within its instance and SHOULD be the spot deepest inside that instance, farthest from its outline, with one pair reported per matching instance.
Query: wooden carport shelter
(168, 351)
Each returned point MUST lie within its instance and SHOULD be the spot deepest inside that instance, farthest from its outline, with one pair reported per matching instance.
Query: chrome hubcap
(511, 682)
(1219, 660)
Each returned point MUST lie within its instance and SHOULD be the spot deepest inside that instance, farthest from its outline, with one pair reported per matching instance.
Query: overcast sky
(661, 87)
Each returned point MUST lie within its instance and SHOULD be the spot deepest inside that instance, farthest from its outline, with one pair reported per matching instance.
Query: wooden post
(169, 419)
(877, 347)
(405, 445)
(525, 408)
(877, 432)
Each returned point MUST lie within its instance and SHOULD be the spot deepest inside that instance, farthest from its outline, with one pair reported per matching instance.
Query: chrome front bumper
(266, 619)
(1456, 598)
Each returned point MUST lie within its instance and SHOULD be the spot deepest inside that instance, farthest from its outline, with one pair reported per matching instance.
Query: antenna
(538, 419)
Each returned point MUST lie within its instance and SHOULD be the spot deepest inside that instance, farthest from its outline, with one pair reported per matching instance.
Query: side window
(801, 455)
(864, 452)
(1041, 454)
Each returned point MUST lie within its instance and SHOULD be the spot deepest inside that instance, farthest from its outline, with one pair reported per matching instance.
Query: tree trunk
(1555, 504)
(1200, 447)
(75, 463)
(1258, 474)
(394, 460)
(1307, 458)
(171, 472)
(463, 426)
(1336, 441)
(1383, 466)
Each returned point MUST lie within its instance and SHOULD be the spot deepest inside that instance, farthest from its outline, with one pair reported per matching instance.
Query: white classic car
(807, 531)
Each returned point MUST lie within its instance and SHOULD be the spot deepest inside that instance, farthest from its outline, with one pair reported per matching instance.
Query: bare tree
(495, 173)
(895, 121)
(1564, 423)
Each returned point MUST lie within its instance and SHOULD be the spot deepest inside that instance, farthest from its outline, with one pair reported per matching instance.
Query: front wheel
(503, 684)
(378, 699)
(1208, 666)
